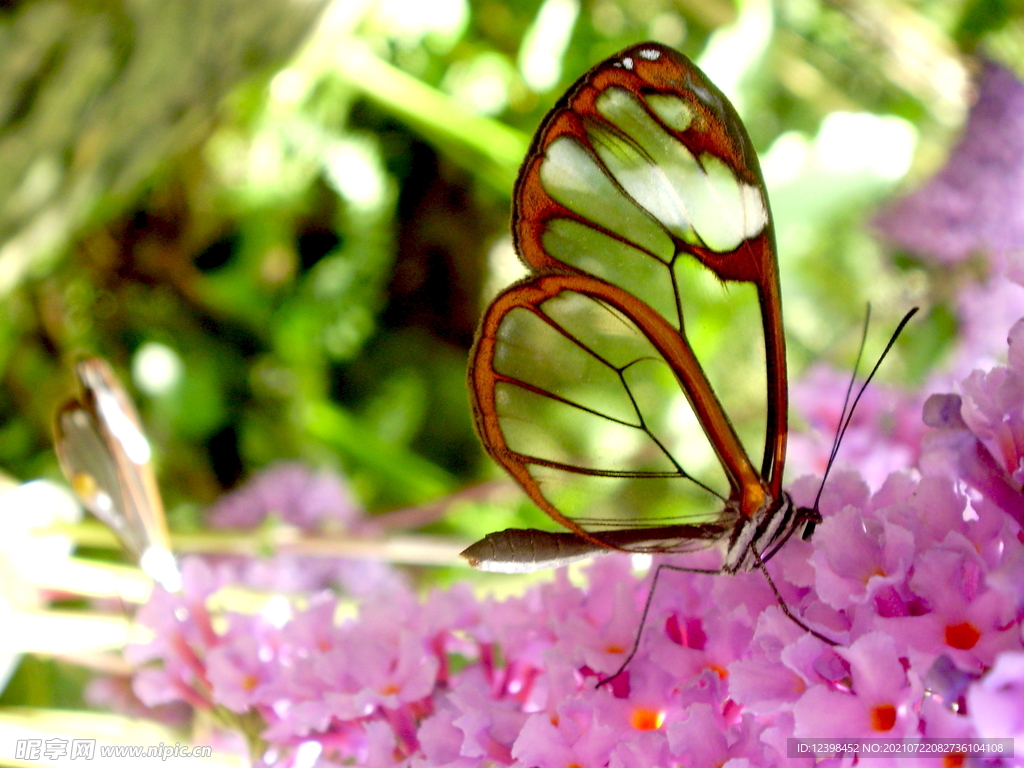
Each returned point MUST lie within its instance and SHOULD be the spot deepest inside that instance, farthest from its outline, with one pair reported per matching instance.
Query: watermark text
(899, 747)
(87, 749)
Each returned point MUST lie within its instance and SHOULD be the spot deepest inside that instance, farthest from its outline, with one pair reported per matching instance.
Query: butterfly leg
(647, 608)
(782, 603)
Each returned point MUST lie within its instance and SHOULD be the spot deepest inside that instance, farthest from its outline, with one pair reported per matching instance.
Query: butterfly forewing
(644, 176)
(640, 203)
(105, 455)
(84, 457)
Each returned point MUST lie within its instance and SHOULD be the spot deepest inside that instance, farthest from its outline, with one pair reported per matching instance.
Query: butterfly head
(809, 519)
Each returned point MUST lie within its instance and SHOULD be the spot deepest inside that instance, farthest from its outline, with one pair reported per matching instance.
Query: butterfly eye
(105, 456)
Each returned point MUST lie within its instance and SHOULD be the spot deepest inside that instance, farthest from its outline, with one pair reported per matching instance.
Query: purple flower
(965, 620)
(234, 669)
(291, 491)
(879, 699)
(858, 559)
(993, 409)
(709, 736)
(183, 633)
(979, 438)
(575, 735)
(996, 702)
(314, 502)
(972, 205)
(884, 435)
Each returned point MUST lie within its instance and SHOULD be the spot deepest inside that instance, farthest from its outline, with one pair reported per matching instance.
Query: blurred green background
(280, 220)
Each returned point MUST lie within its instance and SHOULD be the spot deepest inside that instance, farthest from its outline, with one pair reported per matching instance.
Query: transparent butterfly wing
(105, 455)
(641, 190)
(578, 395)
(85, 460)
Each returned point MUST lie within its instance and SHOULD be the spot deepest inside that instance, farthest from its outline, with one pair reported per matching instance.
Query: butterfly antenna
(846, 417)
(843, 419)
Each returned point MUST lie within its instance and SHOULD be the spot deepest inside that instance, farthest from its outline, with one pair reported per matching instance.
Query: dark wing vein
(679, 472)
(559, 399)
(618, 473)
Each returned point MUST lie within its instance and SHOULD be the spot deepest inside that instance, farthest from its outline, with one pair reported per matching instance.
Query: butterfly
(105, 455)
(640, 190)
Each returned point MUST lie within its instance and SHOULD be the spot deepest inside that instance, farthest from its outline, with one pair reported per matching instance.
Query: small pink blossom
(879, 700)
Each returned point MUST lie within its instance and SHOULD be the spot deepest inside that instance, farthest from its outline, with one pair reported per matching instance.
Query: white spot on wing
(650, 54)
(134, 442)
(627, 62)
(104, 502)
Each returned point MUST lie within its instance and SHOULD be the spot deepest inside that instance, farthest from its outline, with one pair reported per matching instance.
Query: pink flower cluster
(884, 434)
(312, 502)
(920, 583)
